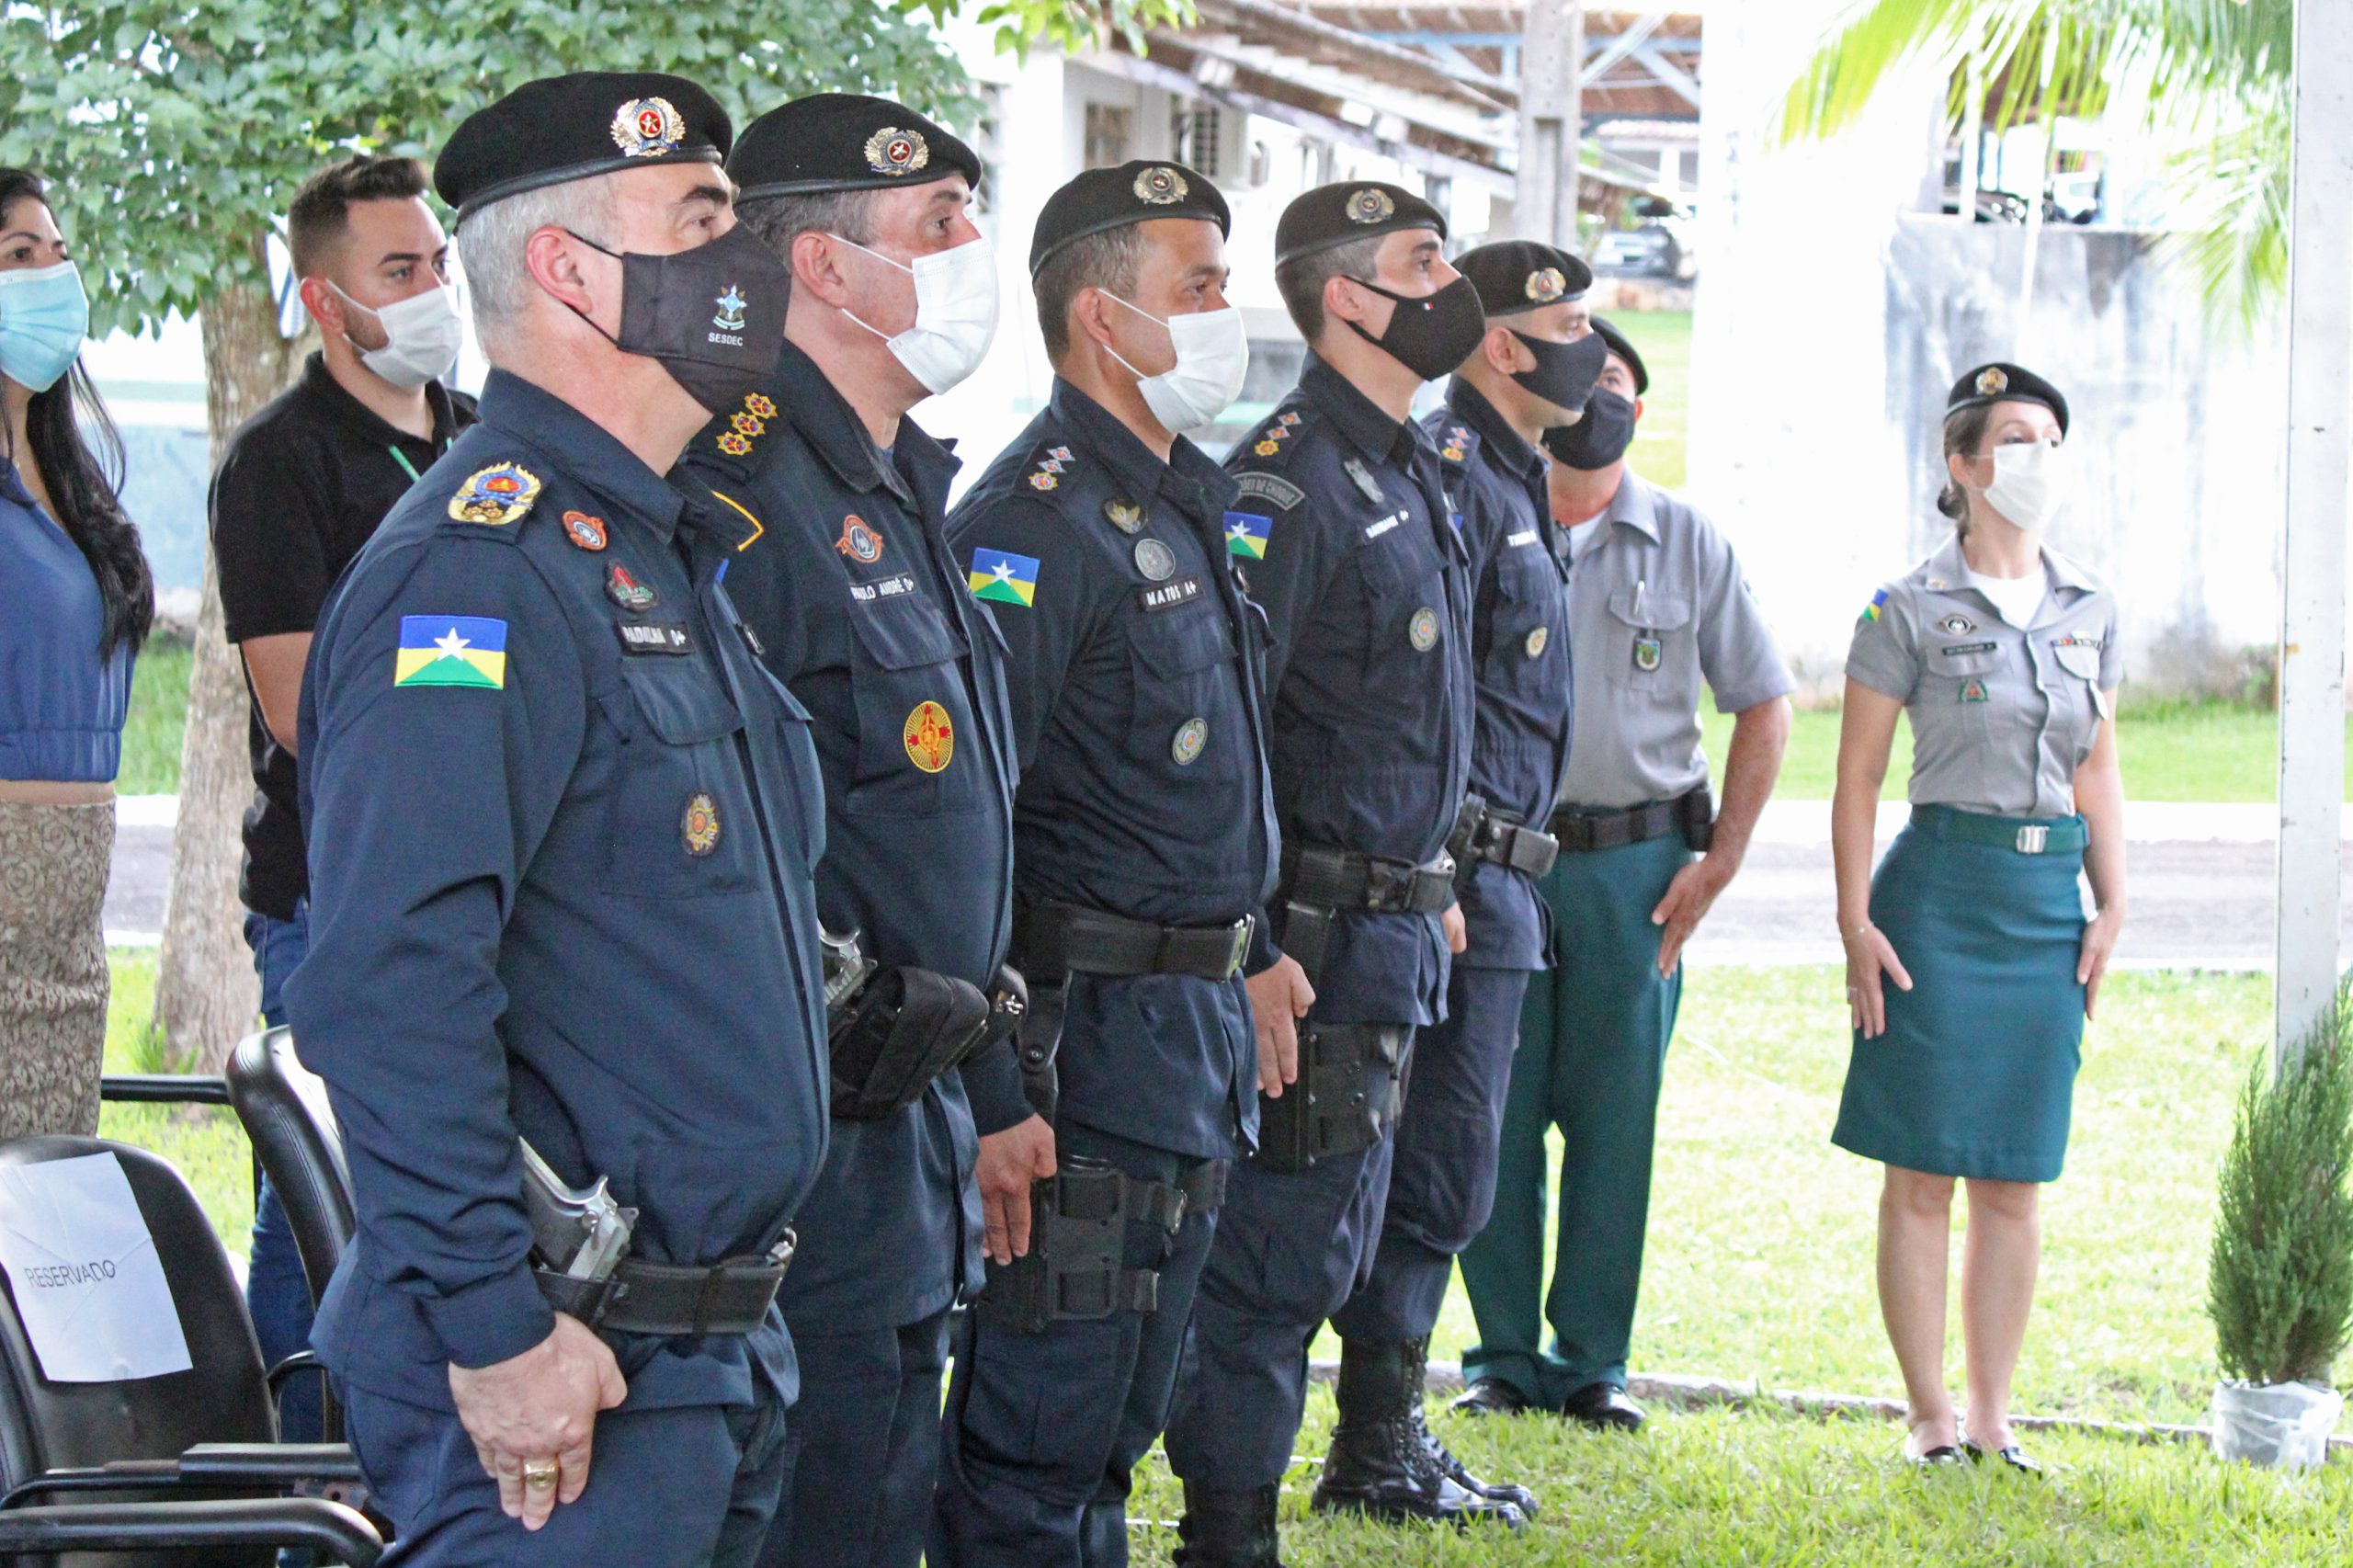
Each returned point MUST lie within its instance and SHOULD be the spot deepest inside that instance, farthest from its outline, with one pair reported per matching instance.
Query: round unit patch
(583, 531)
(1538, 639)
(1957, 625)
(929, 737)
(1422, 631)
(1156, 560)
(859, 542)
(1190, 737)
(698, 824)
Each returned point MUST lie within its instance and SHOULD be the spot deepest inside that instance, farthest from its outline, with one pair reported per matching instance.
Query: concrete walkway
(2201, 880)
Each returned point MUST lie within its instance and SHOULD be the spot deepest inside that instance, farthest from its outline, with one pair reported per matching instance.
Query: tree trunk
(206, 995)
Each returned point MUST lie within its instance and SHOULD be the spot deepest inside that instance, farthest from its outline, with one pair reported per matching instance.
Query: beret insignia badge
(1370, 205)
(1546, 285)
(1161, 186)
(647, 128)
(1992, 381)
(891, 150)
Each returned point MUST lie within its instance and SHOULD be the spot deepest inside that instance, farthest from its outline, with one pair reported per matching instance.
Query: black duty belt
(639, 1297)
(1483, 832)
(1581, 832)
(1055, 938)
(1328, 878)
(1075, 1267)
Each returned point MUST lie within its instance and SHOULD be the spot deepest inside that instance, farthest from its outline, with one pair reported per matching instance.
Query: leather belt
(1483, 832)
(1055, 938)
(2026, 835)
(1581, 832)
(1325, 876)
(638, 1297)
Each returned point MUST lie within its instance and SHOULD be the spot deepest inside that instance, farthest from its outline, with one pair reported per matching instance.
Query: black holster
(1335, 1107)
(1075, 1267)
(904, 1029)
(1696, 815)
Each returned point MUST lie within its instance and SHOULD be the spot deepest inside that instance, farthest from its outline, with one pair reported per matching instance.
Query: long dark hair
(79, 452)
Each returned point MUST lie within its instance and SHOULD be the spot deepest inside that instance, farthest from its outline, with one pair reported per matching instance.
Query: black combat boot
(1378, 1465)
(1418, 1356)
(1227, 1529)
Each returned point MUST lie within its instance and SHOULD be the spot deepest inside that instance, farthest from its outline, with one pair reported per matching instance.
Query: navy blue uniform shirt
(1519, 651)
(839, 564)
(560, 887)
(1365, 584)
(1135, 665)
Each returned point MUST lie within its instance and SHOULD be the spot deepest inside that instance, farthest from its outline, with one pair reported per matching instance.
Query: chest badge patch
(1973, 691)
(1956, 626)
(628, 592)
(859, 542)
(1646, 654)
(494, 496)
(1125, 516)
(1422, 631)
(1537, 638)
(1156, 560)
(1245, 535)
(698, 824)
(1364, 481)
(1191, 736)
(583, 531)
(929, 737)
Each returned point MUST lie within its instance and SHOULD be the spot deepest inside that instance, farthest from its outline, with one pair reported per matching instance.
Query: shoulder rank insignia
(1003, 577)
(495, 496)
(1364, 481)
(1245, 535)
(451, 649)
(1125, 516)
(1041, 479)
(1267, 449)
(1458, 438)
(1286, 419)
(1043, 476)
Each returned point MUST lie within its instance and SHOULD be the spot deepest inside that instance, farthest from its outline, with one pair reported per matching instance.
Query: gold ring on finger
(539, 1474)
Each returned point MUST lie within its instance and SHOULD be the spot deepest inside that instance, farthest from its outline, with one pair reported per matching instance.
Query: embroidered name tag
(882, 588)
(1969, 648)
(1376, 529)
(1169, 595)
(1525, 535)
(655, 637)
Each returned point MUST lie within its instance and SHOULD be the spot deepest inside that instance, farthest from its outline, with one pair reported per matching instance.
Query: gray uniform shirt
(2002, 716)
(1655, 605)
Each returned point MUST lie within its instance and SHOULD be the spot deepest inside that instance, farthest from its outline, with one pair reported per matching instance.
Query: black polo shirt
(301, 487)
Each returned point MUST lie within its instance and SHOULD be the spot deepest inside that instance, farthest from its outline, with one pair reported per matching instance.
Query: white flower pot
(2277, 1426)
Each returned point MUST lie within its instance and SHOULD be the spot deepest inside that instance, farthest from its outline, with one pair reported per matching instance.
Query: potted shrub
(2280, 1283)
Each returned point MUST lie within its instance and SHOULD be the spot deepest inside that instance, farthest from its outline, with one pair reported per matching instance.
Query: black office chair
(161, 1451)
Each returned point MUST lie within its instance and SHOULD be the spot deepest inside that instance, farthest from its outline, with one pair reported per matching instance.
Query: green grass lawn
(2172, 751)
(1664, 340)
(150, 738)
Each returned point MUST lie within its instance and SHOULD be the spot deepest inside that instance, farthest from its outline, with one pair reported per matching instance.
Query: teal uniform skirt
(1975, 1075)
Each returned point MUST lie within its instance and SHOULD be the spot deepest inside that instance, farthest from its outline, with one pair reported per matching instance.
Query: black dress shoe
(1491, 1396)
(2013, 1455)
(1378, 1466)
(1936, 1457)
(1604, 1408)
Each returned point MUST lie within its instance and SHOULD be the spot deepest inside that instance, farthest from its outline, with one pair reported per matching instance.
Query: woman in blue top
(76, 601)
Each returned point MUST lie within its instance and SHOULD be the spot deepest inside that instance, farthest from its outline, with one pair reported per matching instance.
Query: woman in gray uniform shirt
(1969, 966)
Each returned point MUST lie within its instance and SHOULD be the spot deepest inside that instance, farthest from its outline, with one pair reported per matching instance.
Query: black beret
(845, 142)
(1136, 192)
(1352, 210)
(1624, 350)
(568, 127)
(2004, 382)
(1520, 275)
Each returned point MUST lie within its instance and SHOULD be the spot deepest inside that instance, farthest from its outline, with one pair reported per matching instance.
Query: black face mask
(1599, 439)
(1565, 373)
(713, 316)
(1432, 335)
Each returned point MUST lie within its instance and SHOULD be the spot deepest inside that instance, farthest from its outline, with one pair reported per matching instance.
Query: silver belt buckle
(2034, 839)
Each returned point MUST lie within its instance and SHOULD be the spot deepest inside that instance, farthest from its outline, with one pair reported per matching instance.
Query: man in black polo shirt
(301, 488)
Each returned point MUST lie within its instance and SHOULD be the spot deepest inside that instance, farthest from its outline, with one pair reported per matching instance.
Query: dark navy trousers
(692, 1487)
(1292, 1248)
(1042, 1430)
(1442, 1184)
(861, 1451)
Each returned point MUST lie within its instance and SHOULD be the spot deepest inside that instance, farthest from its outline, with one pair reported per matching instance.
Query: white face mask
(2032, 483)
(1212, 356)
(422, 332)
(956, 301)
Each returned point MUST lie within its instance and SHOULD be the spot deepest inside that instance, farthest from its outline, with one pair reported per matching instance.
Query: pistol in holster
(890, 1029)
